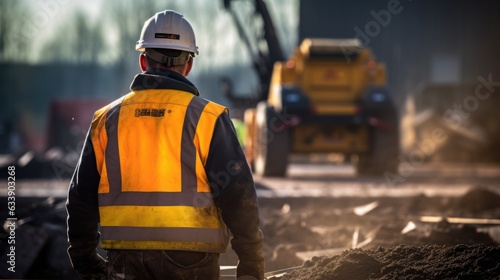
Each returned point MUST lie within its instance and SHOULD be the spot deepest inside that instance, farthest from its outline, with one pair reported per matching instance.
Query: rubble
(403, 262)
(321, 234)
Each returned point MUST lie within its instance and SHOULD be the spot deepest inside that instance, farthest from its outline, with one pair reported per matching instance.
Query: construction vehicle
(330, 96)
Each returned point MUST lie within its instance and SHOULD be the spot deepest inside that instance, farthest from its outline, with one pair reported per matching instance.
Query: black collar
(162, 79)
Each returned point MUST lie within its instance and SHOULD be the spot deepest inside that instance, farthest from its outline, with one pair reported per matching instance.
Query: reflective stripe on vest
(146, 199)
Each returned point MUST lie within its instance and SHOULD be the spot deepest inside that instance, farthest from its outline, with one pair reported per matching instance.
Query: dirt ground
(404, 262)
(323, 237)
(390, 238)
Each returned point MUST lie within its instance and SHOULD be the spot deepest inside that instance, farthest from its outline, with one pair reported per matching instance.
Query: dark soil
(327, 226)
(405, 262)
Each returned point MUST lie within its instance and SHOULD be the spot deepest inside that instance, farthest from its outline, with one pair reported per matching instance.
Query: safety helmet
(167, 30)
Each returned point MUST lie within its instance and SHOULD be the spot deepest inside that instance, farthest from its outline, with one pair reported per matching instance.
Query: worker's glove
(248, 270)
(87, 263)
(92, 268)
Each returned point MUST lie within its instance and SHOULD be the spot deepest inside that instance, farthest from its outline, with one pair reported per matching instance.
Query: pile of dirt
(296, 229)
(404, 262)
(476, 201)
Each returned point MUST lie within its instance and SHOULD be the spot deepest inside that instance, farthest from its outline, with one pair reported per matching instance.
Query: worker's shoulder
(211, 107)
(101, 113)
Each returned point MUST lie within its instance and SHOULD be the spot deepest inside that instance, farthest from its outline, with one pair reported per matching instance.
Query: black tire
(384, 147)
(271, 143)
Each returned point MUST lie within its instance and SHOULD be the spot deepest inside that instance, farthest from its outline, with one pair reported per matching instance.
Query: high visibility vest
(151, 147)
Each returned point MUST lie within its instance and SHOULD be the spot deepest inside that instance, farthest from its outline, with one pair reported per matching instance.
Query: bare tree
(14, 34)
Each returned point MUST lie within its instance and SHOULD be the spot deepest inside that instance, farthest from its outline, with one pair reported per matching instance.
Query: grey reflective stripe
(112, 154)
(163, 234)
(156, 199)
(188, 149)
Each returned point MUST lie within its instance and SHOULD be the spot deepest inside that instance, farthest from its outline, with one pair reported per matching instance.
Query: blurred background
(55, 52)
(60, 60)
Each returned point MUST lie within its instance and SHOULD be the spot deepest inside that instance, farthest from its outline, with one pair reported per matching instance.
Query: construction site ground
(313, 218)
(322, 221)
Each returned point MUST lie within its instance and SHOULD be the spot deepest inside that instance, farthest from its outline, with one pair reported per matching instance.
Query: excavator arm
(262, 59)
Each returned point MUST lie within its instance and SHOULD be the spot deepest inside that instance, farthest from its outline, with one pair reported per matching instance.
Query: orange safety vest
(151, 147)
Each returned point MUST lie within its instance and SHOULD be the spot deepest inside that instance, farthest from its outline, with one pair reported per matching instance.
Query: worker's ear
(189, 66)
(143, 62)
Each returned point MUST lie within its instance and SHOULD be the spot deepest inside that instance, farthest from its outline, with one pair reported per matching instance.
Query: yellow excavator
(330, 96)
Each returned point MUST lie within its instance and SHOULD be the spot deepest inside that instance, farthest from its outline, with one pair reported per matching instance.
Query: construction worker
(162, 178)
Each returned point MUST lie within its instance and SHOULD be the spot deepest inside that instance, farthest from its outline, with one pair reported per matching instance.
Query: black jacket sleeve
(82, 207)
(234, 193)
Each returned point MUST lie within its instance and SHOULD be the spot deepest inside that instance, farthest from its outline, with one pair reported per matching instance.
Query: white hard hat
(167, 30)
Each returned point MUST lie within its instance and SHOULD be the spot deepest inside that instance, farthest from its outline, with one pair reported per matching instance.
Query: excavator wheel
(384, 151)
(271, 142)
